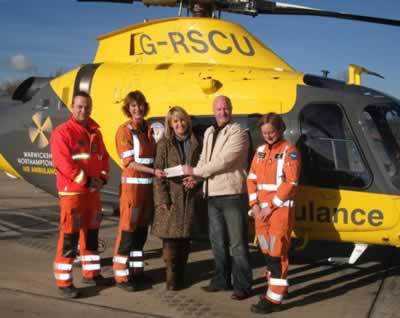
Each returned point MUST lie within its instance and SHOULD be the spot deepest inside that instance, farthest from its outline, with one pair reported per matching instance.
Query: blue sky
(38, 37)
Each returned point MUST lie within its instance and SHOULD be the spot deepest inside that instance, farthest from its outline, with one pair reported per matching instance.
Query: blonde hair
(177, 111)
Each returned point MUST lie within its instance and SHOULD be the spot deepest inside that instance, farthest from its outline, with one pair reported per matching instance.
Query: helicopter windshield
(382, 124)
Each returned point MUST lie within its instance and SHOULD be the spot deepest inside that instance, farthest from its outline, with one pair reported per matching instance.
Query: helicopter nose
(7, 109)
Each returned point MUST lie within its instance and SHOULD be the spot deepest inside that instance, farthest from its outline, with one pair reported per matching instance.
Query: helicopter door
(330, 154)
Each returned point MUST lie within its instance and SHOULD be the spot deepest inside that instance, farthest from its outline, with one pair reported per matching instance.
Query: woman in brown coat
(174, 202)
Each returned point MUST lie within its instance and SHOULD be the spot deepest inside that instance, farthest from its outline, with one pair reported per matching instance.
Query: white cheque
(174, 171)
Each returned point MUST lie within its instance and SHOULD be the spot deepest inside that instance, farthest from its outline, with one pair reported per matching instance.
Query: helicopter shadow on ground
(91, 291)
(378, 263)
(196, 271)
(314, 279)
(158, 275)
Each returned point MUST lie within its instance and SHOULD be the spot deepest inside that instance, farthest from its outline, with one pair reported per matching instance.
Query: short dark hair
(139, 98)
(81, 94)
(274, 119)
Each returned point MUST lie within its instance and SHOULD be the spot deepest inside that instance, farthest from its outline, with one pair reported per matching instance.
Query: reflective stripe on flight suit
(80, 221)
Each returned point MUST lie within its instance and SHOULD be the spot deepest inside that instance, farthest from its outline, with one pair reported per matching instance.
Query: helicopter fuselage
(350, 181)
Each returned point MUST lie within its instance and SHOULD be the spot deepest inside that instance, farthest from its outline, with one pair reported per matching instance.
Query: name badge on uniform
(94, 148)
(261, 155)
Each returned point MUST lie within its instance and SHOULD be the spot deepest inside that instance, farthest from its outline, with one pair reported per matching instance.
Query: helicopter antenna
(325, 73)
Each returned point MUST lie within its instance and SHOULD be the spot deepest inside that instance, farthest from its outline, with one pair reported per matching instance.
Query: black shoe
(240, 295)
(142, 279)
(69, 291)
(94, 281)
(264, 306)
(127, 286)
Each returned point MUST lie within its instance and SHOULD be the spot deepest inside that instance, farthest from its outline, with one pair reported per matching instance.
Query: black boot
(69, 291)
(264, 306)
(183, 250)
(127, 286)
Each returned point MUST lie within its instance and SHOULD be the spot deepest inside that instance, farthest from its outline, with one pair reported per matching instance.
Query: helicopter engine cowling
(28, 88)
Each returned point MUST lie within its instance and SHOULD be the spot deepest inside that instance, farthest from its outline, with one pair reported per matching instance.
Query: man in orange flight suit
(136, 146)
(82, 164)
(272, 184)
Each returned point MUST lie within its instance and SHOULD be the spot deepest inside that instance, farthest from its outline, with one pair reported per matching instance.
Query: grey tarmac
(28, 235)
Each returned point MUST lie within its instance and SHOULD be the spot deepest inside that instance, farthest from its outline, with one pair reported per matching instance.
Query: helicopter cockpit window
(382, 126)
(330, 155)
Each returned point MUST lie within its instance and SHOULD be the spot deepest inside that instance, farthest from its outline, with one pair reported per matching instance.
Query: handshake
(182, 170)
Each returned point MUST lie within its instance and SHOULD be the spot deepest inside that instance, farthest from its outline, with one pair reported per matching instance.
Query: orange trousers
(273, 236)
(136, 208)
(79, 223)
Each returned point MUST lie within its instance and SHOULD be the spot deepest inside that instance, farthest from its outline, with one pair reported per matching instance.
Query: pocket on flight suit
(71, 220)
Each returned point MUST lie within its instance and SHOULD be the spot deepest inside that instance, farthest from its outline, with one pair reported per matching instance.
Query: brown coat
(177, 221)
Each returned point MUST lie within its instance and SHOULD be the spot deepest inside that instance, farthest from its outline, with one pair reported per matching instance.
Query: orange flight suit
(78, 154)
(272, 182)
(136, 199)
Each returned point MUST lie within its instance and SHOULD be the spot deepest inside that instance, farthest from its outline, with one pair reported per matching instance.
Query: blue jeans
(228, 222)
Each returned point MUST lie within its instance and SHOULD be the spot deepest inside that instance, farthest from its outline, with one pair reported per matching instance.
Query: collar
(136, 127)
(276, 144)
(218, 128)
(90, 126)
(181, 139)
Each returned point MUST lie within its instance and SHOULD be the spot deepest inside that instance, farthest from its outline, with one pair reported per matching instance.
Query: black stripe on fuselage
(83, 81)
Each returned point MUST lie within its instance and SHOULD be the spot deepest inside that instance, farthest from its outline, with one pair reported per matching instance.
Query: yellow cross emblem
(37, 133)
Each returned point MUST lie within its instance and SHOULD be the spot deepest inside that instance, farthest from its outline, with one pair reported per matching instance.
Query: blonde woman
(174, 202)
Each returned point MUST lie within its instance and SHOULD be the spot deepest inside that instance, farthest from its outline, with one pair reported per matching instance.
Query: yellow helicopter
(348, 134)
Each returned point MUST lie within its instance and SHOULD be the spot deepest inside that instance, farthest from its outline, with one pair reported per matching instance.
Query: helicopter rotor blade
(270, 7)
(255, 7)
(115, 1)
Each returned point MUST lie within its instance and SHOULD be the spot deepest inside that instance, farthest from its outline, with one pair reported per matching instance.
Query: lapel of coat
(174, 150)
(221, 140)
(208, 142)
(194, 144)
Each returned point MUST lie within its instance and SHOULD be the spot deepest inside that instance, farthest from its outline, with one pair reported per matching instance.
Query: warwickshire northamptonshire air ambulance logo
(37, 134)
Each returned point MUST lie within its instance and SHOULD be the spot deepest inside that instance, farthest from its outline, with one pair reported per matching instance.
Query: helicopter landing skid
(359, 249)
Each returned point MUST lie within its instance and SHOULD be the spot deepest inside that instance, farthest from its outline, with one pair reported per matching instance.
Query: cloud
(21, 63)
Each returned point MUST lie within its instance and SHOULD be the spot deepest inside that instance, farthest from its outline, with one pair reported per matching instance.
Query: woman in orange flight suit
(272, 184)
(136, 148)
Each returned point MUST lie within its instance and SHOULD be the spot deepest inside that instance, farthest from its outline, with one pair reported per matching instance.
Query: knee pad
(275, 267)
(70, 245)
(125, 243)
(267, 259)
(92, 240)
